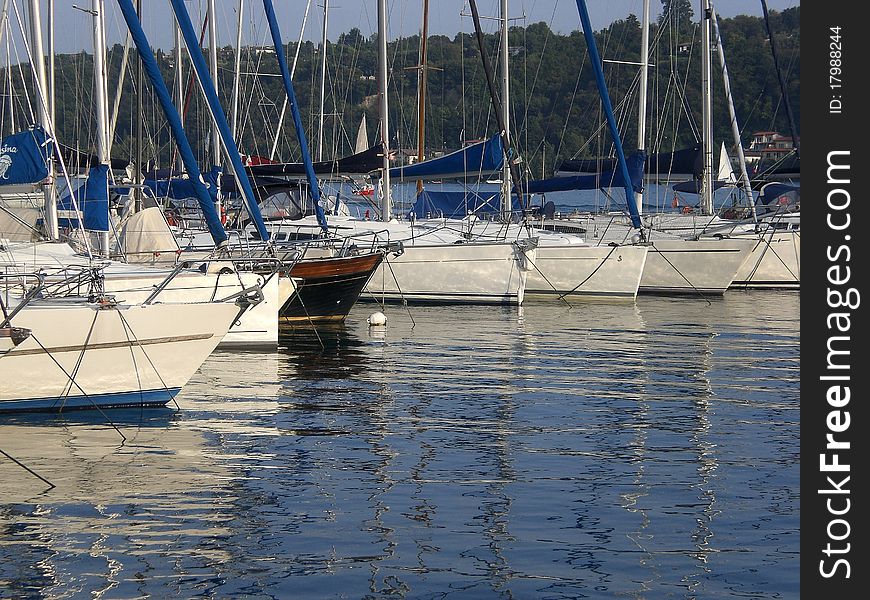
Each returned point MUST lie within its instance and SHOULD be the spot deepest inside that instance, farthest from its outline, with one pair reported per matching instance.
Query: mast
(213, 69)
(140, 121)
(322, 82)
(185, 151)
(595, 59)
(51, 73)
(292, 72)
(386, 201)
(421, 90)
(237, 74)
(782, 87)
(644, 84)
(119, 91)
(101, 97)
(38, 57)
(219, 118)
(297, 116)
(178, 80)
(497, 109)
(732, 114)
(506, 113)
(706, 203)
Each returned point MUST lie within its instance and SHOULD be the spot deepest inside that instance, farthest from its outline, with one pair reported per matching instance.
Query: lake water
(641, 450)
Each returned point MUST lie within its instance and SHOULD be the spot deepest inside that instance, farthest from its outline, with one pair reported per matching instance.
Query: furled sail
(24, 157)
(477, 161)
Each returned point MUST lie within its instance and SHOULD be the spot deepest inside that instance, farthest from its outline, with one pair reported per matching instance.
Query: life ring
(223, 215)
(687, 210)
(170, 218)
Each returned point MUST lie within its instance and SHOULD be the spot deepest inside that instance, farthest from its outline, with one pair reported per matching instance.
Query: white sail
(726, 172)
(362, 137)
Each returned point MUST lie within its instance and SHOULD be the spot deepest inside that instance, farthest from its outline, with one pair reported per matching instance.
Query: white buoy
(377, 319)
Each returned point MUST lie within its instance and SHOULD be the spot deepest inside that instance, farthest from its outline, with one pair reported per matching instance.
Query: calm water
(644, 450)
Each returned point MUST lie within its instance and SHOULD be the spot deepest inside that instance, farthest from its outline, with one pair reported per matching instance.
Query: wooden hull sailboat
(326, 288)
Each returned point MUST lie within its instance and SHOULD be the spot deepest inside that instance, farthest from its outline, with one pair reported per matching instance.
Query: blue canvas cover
(24, 157)
(606, 179)
(780, 194)
(457, 205)
(91, 199)
(477, 161)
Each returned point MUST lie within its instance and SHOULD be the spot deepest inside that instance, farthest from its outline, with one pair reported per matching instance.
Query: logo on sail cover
(5, 163)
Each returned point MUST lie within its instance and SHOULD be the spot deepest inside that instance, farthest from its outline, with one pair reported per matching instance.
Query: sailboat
(674, 265)
(774, 258)
(421, 264)
(79, 352)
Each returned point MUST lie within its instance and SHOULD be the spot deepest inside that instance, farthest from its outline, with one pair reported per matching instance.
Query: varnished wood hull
(326, 288)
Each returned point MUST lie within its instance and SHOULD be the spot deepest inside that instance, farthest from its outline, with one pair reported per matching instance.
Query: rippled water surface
(642, 450)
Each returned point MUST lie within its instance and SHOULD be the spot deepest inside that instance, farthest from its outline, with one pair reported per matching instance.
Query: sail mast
(322, 82)
(595, 59)
(292, 72)
(102, 105)
(313, 184)
(642, 101)
(706, 203)
(497, 109)
(506, 112)
(732, 114)
(185, 151)
(213, 70)
(794, 138)
(140, 120)
(237, 73)
(38, 56)
(179, 78)
(421, 90)
(386, 200)
(219, 118)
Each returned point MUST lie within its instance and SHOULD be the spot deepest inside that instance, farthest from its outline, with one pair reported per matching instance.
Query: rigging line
(594, 271)
(401, 293)
(51, 127)
(26, 468)
(126, 326)
(85, 394)
(67, 388)
(680, 273)
(135, 365)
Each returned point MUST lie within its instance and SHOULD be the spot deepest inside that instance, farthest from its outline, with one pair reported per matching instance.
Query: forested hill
(555, 109)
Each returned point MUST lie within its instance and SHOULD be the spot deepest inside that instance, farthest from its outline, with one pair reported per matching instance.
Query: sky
(445, 17)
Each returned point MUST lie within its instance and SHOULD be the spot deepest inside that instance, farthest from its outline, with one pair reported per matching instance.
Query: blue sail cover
(605, 179)
(91, 198)
(24, 157)
(780, 194)
(183, 188)
(456, 205)
(478, 160)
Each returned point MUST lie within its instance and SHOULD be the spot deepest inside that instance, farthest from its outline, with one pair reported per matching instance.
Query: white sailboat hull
(706, 266)
(775, 262)
(85, 355)
(475, 273)
(134, 283)
(593, 271)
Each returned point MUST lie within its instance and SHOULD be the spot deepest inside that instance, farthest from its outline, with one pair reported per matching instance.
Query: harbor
(639, 449)
(525, 339)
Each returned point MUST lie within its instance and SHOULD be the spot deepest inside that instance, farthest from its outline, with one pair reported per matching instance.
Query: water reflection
(644, 449)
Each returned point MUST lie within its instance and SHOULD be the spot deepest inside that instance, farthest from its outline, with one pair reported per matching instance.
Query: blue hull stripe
(145, 398)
